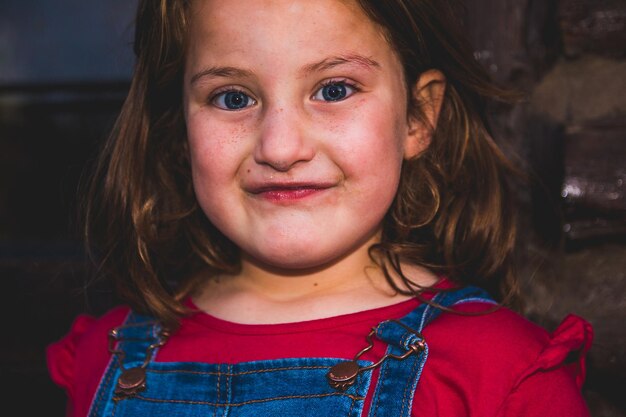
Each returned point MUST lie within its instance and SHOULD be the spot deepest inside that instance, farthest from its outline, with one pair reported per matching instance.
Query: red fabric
(496, 364)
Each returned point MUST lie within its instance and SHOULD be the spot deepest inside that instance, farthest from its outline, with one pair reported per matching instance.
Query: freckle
(315, 284)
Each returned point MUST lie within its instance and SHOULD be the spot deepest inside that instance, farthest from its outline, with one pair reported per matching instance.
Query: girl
(300, 201)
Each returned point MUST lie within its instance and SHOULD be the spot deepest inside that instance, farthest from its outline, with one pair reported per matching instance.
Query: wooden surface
(593, 26)
(594, 187)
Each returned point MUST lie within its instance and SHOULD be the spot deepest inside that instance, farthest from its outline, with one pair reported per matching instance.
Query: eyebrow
(334, 61)
(325, 64)
(220, 72)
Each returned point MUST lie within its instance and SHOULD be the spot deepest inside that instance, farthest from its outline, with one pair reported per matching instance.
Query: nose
(283, 140)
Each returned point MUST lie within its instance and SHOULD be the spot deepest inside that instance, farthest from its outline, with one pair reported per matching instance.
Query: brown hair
(451, 214)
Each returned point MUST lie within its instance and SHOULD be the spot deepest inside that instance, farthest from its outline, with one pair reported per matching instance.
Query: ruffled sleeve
(78, 361)
(61, 356)
(551, 385)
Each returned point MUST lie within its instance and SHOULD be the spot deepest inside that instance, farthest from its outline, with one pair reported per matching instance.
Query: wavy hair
(452, 212)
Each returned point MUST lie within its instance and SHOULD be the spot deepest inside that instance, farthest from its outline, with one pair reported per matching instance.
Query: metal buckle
(343, 375)
(133, 380)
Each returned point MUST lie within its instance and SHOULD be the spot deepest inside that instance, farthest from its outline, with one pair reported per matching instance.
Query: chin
(292, 260)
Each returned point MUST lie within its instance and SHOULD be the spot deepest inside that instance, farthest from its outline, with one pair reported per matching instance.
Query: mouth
(287, 192)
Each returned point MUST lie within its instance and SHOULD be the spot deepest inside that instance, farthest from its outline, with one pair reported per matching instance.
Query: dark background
(64, 72)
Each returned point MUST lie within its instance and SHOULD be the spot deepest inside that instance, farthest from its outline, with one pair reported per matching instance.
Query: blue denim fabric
(296, 387)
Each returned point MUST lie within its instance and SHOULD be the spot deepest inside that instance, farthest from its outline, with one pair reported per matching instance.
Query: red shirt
(496, 364)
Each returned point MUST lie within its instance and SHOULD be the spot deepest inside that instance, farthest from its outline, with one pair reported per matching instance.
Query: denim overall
(290, 387)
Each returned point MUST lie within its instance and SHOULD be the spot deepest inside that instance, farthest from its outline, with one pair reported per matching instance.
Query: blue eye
(232, 100)
(334, 91)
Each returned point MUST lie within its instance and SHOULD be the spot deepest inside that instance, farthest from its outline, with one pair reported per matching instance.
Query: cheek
(372, 139)
(215, 156)
(214, 148)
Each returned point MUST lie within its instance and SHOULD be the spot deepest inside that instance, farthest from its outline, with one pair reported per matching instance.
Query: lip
(287, 192)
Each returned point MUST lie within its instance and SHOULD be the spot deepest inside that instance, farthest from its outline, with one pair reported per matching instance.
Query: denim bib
(135, 385)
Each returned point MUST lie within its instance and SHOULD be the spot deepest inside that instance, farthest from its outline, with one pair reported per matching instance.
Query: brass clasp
(132, 380)
(343, 375)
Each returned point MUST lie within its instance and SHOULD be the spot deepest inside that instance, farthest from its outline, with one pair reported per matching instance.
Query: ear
(428, 93)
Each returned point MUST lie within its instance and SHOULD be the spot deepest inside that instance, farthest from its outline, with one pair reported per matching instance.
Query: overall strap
(133, 345)
(134, 339)
(398, 379)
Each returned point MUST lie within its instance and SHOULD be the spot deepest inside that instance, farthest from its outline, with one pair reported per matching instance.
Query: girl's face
(297, 126)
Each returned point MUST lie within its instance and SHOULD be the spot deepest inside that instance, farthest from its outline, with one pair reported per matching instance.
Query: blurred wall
(65, 40)
(65, 66)
(569, 135)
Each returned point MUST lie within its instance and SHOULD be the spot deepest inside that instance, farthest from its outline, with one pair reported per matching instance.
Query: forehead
(296, 29)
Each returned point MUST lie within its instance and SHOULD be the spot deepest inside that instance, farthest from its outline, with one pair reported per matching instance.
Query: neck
(347, 274)
(265, 294)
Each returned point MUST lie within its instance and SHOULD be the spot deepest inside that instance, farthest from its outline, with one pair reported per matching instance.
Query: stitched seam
(403, 340)
(360, 383)
(287, 397)
(475, 300)
(228, 389)
(178, 371)
(383, 378)
(408, 387)
(218, 389)
(351, 408)
(106, 382)
(406, 338)
(434, 311)
(102, 392)
(380, 328)
(424, 314)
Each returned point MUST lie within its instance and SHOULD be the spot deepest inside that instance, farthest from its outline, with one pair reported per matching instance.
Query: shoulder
(86, 332)
(482, 327)
(486, 343)
(86, 341)
(77, 361)
(508, 336)
(506, 360)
